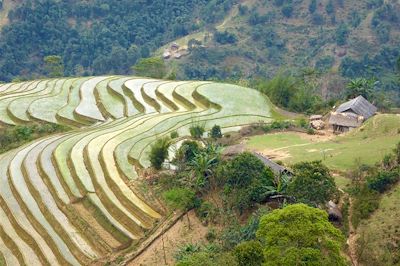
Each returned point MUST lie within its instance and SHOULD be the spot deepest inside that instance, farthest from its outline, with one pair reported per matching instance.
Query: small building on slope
(351, 114)
(277, 169)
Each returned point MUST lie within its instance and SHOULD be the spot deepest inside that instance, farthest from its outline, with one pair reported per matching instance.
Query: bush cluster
(12, 137)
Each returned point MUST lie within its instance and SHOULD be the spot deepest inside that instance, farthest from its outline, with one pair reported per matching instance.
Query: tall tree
(300, 235)
(312, 183)
(361, 86)
(54, 66)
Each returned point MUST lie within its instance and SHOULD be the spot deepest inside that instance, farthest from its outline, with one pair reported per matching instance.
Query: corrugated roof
(359, 106)
(345, 119)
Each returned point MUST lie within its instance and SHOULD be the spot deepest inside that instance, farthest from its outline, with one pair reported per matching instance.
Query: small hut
(175, 47)
(277, 169)
(343, 122)
(351, 114)
(177, 55)
(166, 54)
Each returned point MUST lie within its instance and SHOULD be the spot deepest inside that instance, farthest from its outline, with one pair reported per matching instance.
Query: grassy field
(367, 145)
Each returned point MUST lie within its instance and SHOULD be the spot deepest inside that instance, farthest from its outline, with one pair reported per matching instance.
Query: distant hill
(234, 39)
(340, 38)
(95, 37)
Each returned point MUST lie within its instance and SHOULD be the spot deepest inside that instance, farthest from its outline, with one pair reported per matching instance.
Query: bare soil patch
(164, 247)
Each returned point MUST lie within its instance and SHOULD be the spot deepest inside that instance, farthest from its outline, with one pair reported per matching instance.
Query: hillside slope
(75, 198)
(235, 39)
(339, 38)
(365, 145)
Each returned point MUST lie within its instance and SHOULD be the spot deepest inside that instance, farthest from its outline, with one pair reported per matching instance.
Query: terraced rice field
(67, 199)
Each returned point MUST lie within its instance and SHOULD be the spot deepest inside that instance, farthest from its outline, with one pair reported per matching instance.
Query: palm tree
(203, 164)
(361, 86)
(280, 185)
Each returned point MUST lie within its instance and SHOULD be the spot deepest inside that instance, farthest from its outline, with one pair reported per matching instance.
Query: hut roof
(359, 106)
(315, 117)
(276, 168)
(166, 54)
(233, 150)
(345, 119)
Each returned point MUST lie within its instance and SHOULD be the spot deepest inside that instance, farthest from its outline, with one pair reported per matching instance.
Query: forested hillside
(351, 38)
(96, 37)
(226, 39)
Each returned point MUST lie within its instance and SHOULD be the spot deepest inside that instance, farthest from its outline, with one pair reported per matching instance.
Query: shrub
(187, 151)
(287, 10)
(197, 131)
(186, 250)
(225, 37)
(206, 212)
(249, 253)
(310, 131)
(12, 137)
(280, 125)
(247, 180)
(23, 132)
(215, 132)
(211, 235)
(174, 134)
(365, 202)
(383, 180)
(317, 19)
(302, 123)
(312, 183)
(153, 67)
(159, 152)
(180, 198)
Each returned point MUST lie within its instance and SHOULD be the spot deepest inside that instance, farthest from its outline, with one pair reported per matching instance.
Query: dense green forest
(96, 37)
(229, 40)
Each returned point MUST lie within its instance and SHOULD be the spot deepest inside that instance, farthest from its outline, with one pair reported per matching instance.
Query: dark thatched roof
(276, 168)
(345, 119)
(358, 106)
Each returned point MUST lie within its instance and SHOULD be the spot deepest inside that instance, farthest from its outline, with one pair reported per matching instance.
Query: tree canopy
(300, 235)
(312, 183)
(247, 180)
(152, 67)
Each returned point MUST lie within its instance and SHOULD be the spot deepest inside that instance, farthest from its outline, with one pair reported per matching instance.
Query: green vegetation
(379, 234)
(369, 183)
(303, 234)
(54, 66)
(369, 144)
(297, 94)
(215, 132)
(109, 44)
(180, 198)
(13, 137)
(197, 131)
(153, 67)
(312, 183)
(247, 181)
(159, 152)
(249, 253)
